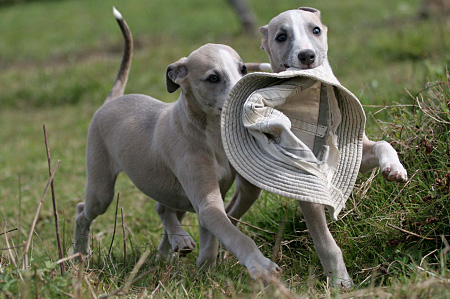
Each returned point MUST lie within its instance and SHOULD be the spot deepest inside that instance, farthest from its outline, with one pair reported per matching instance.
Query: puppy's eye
(281, 37)
(316, 31)
(213, 79)
(244, 70)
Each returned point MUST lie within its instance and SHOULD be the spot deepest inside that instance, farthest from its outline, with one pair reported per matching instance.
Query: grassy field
(58, 60)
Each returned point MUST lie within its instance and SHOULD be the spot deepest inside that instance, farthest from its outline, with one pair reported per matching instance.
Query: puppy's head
(206, 76)
(295, 38)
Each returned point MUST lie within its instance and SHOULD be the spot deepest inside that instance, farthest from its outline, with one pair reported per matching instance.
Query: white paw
(394, 171)
(261, 268)
(182, 243)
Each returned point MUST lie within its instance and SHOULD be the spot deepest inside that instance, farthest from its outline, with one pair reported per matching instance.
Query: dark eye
(316, 31)
(213, 78)
(281, 37)
(244, 70)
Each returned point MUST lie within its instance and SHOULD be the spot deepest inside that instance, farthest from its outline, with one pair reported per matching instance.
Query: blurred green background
(59, 52)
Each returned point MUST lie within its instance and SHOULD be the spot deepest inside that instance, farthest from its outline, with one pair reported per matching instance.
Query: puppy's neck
(189, 109)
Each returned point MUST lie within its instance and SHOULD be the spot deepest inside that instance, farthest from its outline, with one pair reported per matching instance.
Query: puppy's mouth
(308, 67)
(295, 63)
(301, 66)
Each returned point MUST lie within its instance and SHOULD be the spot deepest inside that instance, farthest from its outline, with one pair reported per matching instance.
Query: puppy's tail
(258, 67)
(122, 75)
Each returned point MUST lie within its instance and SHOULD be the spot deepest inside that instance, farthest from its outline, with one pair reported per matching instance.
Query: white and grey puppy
(173, 153)
(298, 38)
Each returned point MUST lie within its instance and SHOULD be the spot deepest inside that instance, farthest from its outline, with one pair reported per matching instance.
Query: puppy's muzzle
(307, 57)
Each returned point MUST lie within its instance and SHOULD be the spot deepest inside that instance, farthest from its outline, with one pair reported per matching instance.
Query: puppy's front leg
(203, 191)
(382, 154)
(328, 251)
(212, 217)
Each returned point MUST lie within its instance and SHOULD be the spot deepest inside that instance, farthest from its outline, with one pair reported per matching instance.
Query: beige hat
(297, 133)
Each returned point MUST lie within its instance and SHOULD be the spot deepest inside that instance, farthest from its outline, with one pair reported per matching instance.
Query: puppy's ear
(175, 73)
(265, 32)
(310, 9)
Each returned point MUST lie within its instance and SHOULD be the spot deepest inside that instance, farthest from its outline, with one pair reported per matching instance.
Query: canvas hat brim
(260, 168)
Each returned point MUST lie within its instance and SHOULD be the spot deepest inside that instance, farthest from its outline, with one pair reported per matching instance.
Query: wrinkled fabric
(287, 122)
(296, 133)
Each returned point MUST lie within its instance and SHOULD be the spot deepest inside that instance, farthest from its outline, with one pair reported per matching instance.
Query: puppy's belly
(164, 189)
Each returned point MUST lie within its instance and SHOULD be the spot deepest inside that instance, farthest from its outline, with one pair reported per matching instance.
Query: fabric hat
(297, 133)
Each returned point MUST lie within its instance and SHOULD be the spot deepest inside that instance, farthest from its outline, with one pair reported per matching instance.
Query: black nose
(307, 57)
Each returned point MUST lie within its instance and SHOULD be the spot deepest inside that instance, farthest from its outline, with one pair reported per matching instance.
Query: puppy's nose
(307, 57)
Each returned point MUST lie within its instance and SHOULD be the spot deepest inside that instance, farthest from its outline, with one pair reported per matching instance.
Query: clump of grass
(393, 236)
(413, 220)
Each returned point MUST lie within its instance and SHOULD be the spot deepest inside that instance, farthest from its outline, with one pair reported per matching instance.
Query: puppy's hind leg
(243, 198)
(101, 178)
(175, 239)
(209, 247)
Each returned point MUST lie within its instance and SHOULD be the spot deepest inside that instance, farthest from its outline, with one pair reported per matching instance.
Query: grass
(58, 62)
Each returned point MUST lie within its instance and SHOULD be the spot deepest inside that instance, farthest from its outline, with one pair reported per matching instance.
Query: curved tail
(122, 75)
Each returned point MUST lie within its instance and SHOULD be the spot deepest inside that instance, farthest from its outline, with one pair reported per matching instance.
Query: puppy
(173, 153)
(298, 38)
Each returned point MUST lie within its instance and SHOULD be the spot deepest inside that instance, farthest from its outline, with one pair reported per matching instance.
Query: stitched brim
(262, 170)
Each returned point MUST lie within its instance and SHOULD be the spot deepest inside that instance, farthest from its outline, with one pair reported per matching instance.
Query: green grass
(58, 62)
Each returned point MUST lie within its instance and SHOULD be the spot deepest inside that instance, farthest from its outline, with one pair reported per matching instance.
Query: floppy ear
(310, 9)
(265, 32)
(176, 72)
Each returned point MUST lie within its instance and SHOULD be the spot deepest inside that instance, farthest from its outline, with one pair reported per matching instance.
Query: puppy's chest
(222, 168)
(223, 171)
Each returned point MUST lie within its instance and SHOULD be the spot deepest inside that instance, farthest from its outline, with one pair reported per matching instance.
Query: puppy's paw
(342, 283)
(261, 268)
(394, 171)
(182, 243)
(81, 246)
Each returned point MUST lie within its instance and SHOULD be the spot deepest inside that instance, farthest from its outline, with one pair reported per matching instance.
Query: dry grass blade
(27, 246)
(436, 104)
(11, 247)
(136, 268)
(36, 282)
(115, 224)
(55, 210)
(124, 241)
(11, 230)
(143, 275)
(77, 286)
(278, 238)
(253, 226)
(70, 257)
(91, 289)
(399, 193)
(410, 233)
(11, 256)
